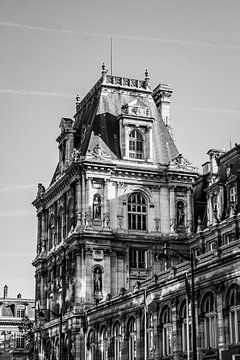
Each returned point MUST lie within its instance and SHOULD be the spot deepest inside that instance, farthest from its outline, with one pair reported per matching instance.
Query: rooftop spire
(104, 71)
(77, 102)
(147, 78)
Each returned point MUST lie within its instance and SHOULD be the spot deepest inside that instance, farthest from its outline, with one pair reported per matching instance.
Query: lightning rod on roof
(111, 55)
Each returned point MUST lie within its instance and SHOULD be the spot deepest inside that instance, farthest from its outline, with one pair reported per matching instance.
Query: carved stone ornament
(181, 162)
(76, 155)
(41, 190)
(136, 108)
(99, 153)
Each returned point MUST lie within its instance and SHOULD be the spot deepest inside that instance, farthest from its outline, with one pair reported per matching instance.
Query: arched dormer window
(135, 145)
(137, 212)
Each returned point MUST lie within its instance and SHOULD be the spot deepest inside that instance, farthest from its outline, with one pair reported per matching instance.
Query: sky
(53, 50)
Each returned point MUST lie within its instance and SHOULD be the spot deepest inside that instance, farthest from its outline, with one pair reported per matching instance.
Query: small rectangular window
(137, 258)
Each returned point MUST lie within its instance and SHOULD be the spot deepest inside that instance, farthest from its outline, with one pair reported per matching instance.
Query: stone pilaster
(172, 210)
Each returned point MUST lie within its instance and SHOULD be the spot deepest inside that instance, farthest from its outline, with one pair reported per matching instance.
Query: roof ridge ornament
(147, 78)
(104, 70)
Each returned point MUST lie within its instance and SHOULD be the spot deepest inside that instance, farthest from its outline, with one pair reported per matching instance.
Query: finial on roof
(147, 78)
(104, 71)
(77, 102)
(77, 98)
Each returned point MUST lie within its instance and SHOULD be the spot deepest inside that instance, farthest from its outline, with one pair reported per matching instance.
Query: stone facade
(12, 311)
(121, 194)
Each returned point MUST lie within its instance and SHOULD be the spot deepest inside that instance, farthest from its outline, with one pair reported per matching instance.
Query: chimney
(5, 292)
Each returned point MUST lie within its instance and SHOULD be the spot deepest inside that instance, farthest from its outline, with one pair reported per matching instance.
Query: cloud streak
(6, 188)
(124, 37)
(13, 213)
(16, 254)
(35, 93)
(212, 110)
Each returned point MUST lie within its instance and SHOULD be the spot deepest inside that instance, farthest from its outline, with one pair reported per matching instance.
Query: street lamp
(41, 315)
(165, 256)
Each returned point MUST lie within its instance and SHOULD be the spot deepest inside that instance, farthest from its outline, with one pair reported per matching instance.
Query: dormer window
(135, 145)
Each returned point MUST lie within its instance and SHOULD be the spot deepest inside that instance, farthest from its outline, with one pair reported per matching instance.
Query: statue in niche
(180, 214)
(97, 207)
(97, 280)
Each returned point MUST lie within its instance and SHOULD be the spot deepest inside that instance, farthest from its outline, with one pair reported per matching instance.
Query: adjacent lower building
(12, 310)
(121, 196)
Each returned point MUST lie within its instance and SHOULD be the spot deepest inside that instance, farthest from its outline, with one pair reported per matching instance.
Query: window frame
(136, 145)
(137, 209)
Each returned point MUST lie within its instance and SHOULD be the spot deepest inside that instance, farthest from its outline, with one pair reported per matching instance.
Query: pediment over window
(136, 108)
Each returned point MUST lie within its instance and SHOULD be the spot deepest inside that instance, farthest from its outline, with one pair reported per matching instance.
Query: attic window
(135, 145)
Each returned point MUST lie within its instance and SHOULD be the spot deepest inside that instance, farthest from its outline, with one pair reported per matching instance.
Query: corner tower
(122, 194)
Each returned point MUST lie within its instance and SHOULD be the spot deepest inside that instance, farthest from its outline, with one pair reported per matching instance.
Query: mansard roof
(97, 115)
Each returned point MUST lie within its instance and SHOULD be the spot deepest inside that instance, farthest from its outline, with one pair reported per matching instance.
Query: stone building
(120, 195)
(12, 311)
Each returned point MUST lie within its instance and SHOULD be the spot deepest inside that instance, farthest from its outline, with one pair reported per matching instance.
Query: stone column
(83, 195)
(172, 209)
(88, 212)
(126, 142)
(78, 205)
(78, 279)
(174, 328)
(150, 148)
(220, 320)
(106, 215)
(189, 211)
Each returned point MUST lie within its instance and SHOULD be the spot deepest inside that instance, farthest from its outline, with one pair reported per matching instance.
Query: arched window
(90, 346)
(210, 321)
(137, 212)
(233, 298)
(103, 344)
(185, 326)
(132, 338)
(117, 341)
(166, 331)
(51, 233)
(135, 145)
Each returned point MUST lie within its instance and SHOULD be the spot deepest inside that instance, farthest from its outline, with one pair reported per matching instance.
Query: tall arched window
(233, 298)
(135, 145)
(132, 338)
(103, 344)
(117, 341)
(51, 232)
(166, 331)
(210, 321)
(90, 346)
(185, 326)
(137, 212)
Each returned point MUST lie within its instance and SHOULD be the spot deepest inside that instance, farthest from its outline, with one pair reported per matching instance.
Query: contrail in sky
(223, 111)
(36, 93)
(126, 37)
(72, 96)
(13, 187)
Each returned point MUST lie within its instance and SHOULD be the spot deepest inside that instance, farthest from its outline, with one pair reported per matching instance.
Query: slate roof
(99, 112)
